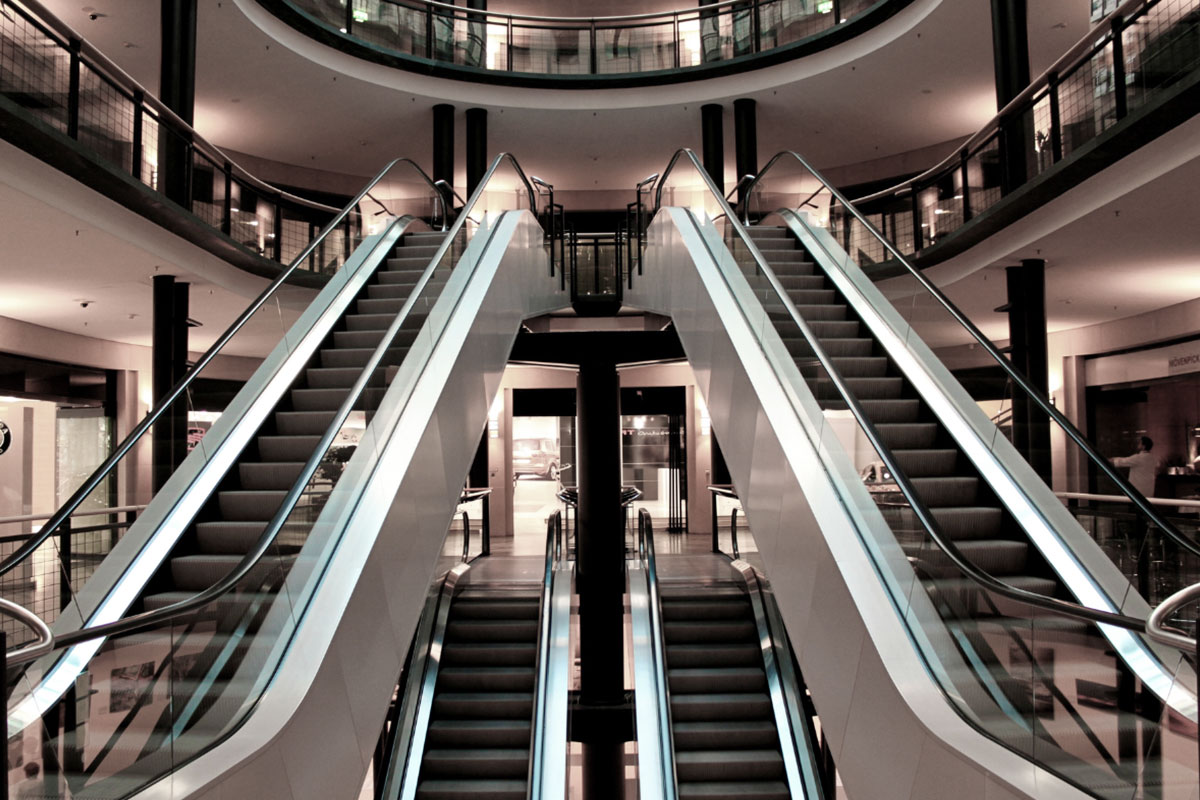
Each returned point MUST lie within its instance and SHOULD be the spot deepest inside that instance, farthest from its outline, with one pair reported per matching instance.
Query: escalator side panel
(890, 728)
(315, 728)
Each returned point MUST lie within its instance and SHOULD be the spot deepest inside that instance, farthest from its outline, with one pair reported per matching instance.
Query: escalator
(851, 443)
(175, 641)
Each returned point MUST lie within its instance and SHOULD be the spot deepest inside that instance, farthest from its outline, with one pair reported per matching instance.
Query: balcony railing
(1138, 56)
(574, 46)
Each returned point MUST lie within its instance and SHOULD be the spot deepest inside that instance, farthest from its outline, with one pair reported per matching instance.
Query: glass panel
(35, 69)
(105, 119)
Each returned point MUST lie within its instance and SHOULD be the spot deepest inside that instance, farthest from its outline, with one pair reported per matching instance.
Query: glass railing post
(756, 22)
(509, 47)
(349, 21)
(135, 167)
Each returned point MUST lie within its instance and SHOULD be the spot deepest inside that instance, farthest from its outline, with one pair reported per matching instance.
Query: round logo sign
(5, 438)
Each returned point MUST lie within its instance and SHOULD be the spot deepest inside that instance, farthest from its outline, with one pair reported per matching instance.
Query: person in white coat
(1143, 466)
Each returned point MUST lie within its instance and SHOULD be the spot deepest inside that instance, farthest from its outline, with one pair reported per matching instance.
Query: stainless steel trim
(548, 750)
(1156, 627)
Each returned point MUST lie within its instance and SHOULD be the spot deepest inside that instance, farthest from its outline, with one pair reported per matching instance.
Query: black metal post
(745, 141)
(592, 46)
(1118, 57)
(918, 238)
(1056, 143)
(966, 186)
(716, 539)
(277, 230)
(443, 143)
(600, 553)
(75, 46)
(139, 110)
(349, 21)
(1028, 340)
(64, 561)
(177, 90)
(162, 373)
(712, 142)
(477, 155)
(1010, 55)
(486, 523)
(227, 204)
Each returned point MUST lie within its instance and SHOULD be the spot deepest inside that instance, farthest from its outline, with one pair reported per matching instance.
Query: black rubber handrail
(924, 516)
(161, 405)
(266, 540)
(1013, 373)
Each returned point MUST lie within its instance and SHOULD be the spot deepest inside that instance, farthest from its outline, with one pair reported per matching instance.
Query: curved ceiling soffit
(709, 89)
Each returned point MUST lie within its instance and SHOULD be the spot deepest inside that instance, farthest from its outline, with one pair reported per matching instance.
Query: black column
(1028, 351)
(476, 54)
(1010, 53)
(745, 139)
(169, 363)
(477, 155)
(177, 89)
(712, 142)
(443, 143)
(599, 570)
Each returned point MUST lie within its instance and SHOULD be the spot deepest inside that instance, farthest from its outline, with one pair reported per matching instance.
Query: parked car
(535, 457)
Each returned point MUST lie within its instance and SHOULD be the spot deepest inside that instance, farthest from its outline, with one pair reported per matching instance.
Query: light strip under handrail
(1042, 402)
(548, 750)
(161, 405)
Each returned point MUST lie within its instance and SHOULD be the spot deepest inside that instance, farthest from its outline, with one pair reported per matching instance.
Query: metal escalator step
(337, 377)
(758, 232)
(726, 706)
(407, 261)
(252, 506)
(358, 339)
(197, 572)
(947, 490)
(489, 653)
(491, 705)
(861, 388)
(475, 763)
(907, 435)
(700, 608)
(220, 536)
(803, 283)
(487, 679)
(390, 291)
(835, 312)
(379, 305)
(849, 367)
(475, 790)
(287, 448)
(492, 630)
(998, 557)
(407, 275)
(709, 631)
(234, 602)
(703, 654)
(925, 462)
(303, 423)
(359, 356)
(729, 765)
(479, 733)
(258, 475)
(318, 399)
(515, 609)
(834, 329)
(726, 734)
(368, 322)
(724, 790)
(693, 680)
(959, 523)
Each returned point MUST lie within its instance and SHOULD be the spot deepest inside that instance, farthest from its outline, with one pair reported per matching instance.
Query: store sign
(5, 438)
(1187, 362)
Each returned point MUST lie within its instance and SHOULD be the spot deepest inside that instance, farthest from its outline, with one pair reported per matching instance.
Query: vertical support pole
(1056, 143)
(1118, 57)
(161, 374)
(487, 525)
(227, 204)
(349, 21)
(675, 35)
(918, 238)
(592, 55)
(600, 548)
(177, 89)
(64, 562)
(966, 186)
(1010, 55)
(477, 155)
(75, 46)
(277, 230)
(745, 141)
(712, 142)
(139, 110)
(1028, 338)
(443, 142)
(756, 27)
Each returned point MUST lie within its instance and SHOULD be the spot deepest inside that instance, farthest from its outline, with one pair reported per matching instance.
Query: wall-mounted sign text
(5, 438)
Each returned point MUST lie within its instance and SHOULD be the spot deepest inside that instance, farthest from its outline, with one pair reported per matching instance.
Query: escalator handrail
(121, 450)
(922, 512)
(540, 763)
(658, 647)
(265, 541)
(1014, 374)
(1156, 627)
(44, 642)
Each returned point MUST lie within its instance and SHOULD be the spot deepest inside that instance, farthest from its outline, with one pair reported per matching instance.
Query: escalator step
(901, 435)
(861, 388)
(492, 630)
(228, 537)
(368, 322)
(467, 608)
(947, 491)
(475, 763)
(479, 733)
(713, 707)
(200, 571)
(242, 506)
(834, 348)
(728, 765)
(303, 423)
(380, 305)
(849, 367)
(318, 399)
(407, 261)
(487, 679)
(492, 705)
(704, 654)
(834, 329)
(813, 297)
(472, 790)
(814, 313)
(883, 411)
(926, 462)
(727, 734)
(998, 557)
(709, 631)
(489, 653)
(766, 790)
(359, 356)
(695, 680)
(287, 448)
(960, 523)
(803, 283)
(337, 377)
(258, 475)
(390, 291)
(698, 609)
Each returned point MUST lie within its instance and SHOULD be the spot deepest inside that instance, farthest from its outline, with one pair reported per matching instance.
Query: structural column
(745, 140)
(443, 143)
(477, 155)
(169, 363)
(177, 89)
(712, 142)
(1028, 351)
(600, 579)
(1010, 53)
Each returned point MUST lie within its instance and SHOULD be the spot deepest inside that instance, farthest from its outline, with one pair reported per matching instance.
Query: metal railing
(1139, 53)
(728, 492)
(584, 46)
(57, 78)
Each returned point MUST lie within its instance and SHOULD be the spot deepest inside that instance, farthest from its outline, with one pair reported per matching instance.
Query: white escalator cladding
(913, 674)
(235, 699)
